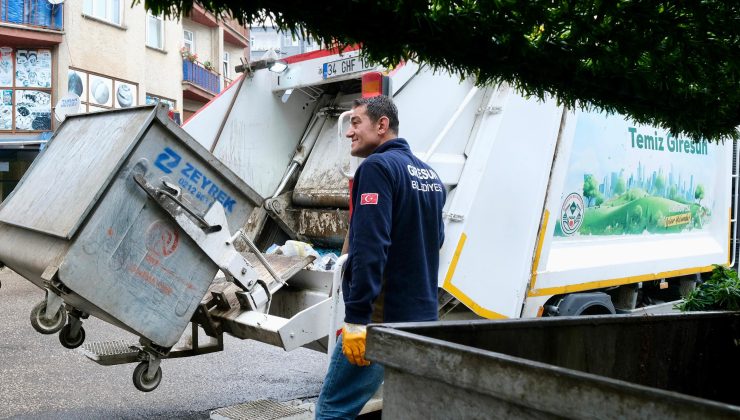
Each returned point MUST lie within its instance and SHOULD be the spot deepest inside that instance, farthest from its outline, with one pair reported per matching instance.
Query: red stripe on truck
(233, 82)
(318, 54)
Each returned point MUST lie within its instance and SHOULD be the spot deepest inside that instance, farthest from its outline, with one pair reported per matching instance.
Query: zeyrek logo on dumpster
(193, 180)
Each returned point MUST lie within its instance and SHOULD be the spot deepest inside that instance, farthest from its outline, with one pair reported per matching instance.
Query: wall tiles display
(100, 92)
(126, 94)
(77, 83)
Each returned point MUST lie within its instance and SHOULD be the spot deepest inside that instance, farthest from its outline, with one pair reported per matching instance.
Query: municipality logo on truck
(193, 180)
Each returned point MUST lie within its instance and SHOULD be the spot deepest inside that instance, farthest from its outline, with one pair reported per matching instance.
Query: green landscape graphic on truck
(627, 179)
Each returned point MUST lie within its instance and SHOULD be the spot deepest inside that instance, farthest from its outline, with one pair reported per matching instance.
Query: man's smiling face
(364, 133)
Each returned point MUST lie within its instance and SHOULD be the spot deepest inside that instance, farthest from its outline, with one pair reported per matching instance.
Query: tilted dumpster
(652, 367)
(126, 218)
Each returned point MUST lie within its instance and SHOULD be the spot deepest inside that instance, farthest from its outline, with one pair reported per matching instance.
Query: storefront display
(33, 110)
(25, 89)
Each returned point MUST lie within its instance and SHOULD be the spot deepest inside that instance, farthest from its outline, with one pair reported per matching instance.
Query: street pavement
(40, 379)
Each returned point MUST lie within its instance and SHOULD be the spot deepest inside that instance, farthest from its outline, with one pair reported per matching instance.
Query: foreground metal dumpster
(669, 366)
(109, 220)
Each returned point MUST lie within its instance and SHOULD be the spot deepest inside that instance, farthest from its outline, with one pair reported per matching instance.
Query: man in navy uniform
(395, 235)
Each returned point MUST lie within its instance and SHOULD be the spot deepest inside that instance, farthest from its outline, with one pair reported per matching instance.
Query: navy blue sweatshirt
(395, 235)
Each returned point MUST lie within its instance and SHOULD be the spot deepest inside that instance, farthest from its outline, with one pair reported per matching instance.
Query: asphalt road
(39, 379)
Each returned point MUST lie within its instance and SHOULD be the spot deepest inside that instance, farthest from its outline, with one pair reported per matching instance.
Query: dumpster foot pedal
(264, 410)
(111, 352)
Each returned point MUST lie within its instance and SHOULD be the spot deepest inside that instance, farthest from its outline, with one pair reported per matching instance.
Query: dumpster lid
(82, 158)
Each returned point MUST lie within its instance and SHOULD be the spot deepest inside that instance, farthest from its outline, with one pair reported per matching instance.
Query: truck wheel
(142, 382)
(593, 303)
(65, 337)
(47, 326)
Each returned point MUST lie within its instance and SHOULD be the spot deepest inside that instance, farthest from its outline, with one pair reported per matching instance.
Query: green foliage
(590, 187)
(659, 184)
(665, 63)
(720, 292)
(635, 216)
(699, 192)
(673, 193)
(631, 195)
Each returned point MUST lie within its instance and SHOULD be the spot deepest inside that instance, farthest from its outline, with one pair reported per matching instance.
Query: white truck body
(521, 223)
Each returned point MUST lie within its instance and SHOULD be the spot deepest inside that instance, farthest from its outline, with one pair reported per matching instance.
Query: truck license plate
(346, 66)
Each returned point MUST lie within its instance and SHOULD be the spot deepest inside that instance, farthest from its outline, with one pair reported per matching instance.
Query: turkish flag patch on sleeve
(369, 198)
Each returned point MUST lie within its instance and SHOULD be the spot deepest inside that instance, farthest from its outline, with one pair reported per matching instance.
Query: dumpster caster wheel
(47, 326)
(142, 382)
(71, 342)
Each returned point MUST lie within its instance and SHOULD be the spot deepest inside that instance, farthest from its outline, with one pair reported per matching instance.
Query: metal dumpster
(653, 367)
(109, 220)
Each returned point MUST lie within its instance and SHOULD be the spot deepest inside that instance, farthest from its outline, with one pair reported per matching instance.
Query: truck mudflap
(678, 366)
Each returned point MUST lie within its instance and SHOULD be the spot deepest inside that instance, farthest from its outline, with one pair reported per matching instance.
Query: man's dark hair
(380, 106)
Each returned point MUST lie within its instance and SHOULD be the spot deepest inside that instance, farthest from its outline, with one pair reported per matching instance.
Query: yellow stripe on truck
(616, 282)
(729, 240)
(462, 297)
(538, 251)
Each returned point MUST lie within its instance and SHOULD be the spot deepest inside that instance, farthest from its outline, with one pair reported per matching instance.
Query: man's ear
(383, 123)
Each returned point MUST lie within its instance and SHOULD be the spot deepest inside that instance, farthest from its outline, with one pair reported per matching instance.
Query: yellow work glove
(353, 343)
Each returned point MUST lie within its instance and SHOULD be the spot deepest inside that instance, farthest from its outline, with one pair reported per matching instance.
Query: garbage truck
(551, 211)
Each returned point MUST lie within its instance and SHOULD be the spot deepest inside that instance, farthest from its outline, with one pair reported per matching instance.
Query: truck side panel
(632, 203)
(261, 132)
(494, 213)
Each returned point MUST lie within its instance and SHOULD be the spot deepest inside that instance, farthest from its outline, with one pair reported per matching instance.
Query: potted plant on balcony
(207, 64)
(187, 55)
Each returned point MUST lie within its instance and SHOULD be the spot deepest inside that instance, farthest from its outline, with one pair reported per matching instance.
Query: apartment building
(214, 44)
(109, 54)
(264, 37)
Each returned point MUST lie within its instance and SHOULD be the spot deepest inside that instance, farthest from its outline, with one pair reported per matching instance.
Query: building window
(25, 89)
(107, 10)
(155, 31)
(189, 41)
(99, 92)
(226, 64)
(290, 40)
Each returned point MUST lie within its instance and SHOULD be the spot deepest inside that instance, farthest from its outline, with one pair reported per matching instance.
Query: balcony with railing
(31, 23)
(234, 33)
(33, 13)
(198, 82)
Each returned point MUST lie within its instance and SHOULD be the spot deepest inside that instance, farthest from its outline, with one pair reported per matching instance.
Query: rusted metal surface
(298, 316)
(322, 194)
(668, 366)
(286, 266)
(321, 183)
(319, 226)
(324, 226)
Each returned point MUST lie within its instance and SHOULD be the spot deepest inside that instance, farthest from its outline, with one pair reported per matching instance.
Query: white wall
(121, 52)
